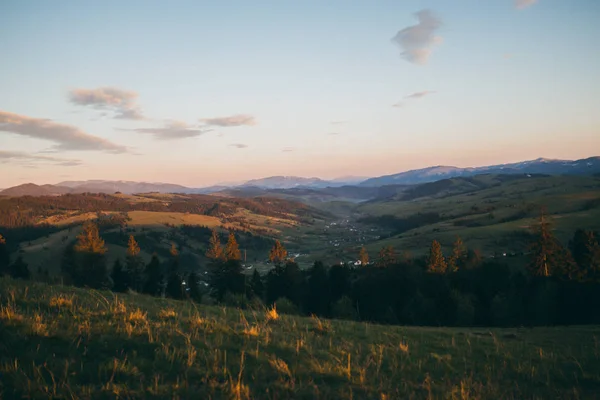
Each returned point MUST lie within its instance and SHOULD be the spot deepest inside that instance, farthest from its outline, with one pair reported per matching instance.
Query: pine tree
(387, 256)
(193, 283)
(120, 277)
(91, 261)
(363, 257)
(586, 253)
(4, 257)
(154, 277)
(215, 251)
(459, 254)
(174, 288)
(134, 265)
(19, 269)
(549, 257)
(232, 251)
(436, 262)
(256, 285)
(278, 253)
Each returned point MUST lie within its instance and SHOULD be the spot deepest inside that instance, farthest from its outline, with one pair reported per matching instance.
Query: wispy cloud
(288, 149)
(18, 156)
(123, 103)
(66, 137)
(231, 121)
(173, 130)
(418, 95)
(413, 97)
(417, 41)
(239, 145)
(521, 4)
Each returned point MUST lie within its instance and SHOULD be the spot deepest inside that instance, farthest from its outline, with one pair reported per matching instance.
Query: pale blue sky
(506, 84)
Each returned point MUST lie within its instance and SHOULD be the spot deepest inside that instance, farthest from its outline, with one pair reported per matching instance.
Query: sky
(199, 93)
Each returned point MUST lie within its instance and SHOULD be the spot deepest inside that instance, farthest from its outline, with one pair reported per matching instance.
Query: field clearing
(67, 342)
(150, 218)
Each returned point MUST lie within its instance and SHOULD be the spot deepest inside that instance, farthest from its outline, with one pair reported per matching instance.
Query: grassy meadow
(63, 342)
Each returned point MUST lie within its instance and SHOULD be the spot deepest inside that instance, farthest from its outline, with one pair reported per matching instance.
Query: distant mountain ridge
(586, 166)
(349, 187)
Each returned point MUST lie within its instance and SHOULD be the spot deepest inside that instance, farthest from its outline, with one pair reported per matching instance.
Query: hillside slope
(63, 342)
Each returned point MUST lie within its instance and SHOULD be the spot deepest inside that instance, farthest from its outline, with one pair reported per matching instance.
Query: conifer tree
(548, 256)
(215, 251)
(120, 277)
(4, 257)
(436, 262)
(278, 253)
(174, 288)
(91, 268)
(232, 251)
(193, 283)
(363, 257)
(19, 269)
(134, 265)
(256, 285)
(459, 253)
(154, 281)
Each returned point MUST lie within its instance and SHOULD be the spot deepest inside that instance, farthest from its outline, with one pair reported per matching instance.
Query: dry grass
(271, 314)
(134, 346)
(61, 301)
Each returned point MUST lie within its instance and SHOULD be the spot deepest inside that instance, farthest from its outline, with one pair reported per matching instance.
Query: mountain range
(587, 166)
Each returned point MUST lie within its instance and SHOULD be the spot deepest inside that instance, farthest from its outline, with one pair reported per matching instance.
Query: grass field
(62, 342)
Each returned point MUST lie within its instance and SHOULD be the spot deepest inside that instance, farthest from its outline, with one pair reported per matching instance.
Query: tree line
(561, 284)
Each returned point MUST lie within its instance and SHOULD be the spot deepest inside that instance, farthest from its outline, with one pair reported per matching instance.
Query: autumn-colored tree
(215, 251)
(459, 254)
(363, 257)
(89, 240)
(90, 262)
(278, 253)
(232, 251)
(436, 262)
(134, 265)
(548, 256)
(387, 256)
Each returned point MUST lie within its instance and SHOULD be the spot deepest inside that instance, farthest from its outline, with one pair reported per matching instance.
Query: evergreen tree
(134, 265)
(68, 265)
(363, 257)
(193, 283)
(459, 254)
(387, 256)
(318, 296)
(90, 265)
(548, 256)
(120, 277)
(215, 251)
(278, 253)
(154, 277)
(174, 288)
(232, 251)
(4, 257)
(256, 285)
(586, 253)
(19, 269)
(436, 262)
